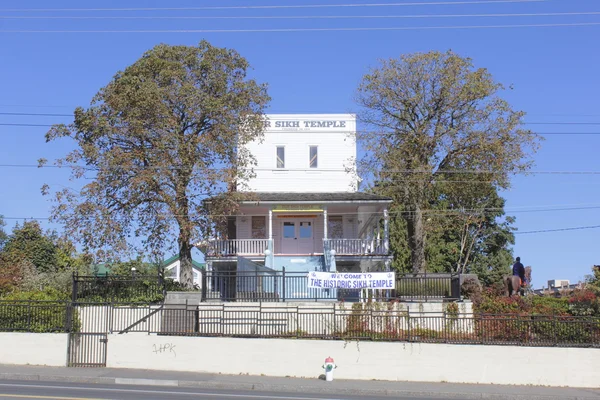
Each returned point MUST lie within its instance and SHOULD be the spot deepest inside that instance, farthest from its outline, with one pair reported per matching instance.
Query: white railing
(357, 246)
(237, 246)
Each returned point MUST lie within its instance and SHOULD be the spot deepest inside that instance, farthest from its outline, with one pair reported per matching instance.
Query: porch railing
(233, 247)
(357, 246)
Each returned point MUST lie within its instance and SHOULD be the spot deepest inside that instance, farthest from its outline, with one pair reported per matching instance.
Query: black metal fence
(245, 286)
(119, 288)
(36, 316)
(258, 286)
(424, 287)
(360, 321)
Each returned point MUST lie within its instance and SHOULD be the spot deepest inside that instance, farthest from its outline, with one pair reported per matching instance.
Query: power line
(283, 30)
(279, 119)
(334, 132)
(425, 213)
(36, 114)
(271, 6)
(558, 230)
(404, 171)
(22, 114)
(306, 17)
(561, 123)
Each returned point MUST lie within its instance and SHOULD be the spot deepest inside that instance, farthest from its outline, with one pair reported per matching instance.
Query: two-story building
(305, 213)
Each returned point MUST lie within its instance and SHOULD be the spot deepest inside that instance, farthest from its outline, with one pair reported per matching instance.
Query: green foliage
(124, 268)
(32, 259)
(3, 235)
(162, 136)
(121, 289)
(38, 311)
(584, 303)
(28, 242)
(46, 294)
(593, 280)
(435, 114)
(425, 287)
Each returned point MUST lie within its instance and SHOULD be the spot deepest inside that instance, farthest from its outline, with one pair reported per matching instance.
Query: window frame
(278, 159)
(258, 231)
(311, 157)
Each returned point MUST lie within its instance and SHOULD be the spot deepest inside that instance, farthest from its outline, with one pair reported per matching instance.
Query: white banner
(350, 280)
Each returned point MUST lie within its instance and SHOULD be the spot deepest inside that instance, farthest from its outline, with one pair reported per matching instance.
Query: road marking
(183, 393)
(26, 396)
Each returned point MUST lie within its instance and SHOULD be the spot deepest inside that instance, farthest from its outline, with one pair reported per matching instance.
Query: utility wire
(349, 132)
(35, 114)
(283, 30)
(352, 5)
(404, 171)
(425, 213)
(305, 17)
(558, 230)
(23, 114)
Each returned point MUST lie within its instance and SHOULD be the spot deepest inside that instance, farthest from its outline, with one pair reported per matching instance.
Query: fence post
(283, 283)
(203, 283)
(75, 288)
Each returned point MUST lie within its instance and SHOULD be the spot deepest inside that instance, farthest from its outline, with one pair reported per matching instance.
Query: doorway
(297, 236)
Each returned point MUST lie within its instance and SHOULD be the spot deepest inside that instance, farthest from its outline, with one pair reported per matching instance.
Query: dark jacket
(519, 270)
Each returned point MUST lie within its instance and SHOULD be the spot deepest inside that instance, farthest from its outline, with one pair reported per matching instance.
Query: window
(259, 226)
(312, 156)
(289, 230)
(305, 230)
(335, 227)
(280, 157)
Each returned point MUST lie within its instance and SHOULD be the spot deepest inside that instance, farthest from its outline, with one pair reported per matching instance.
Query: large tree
(433, 115)
(163, 135)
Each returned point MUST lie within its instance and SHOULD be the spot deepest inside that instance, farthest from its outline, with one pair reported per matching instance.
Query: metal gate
(87, 349)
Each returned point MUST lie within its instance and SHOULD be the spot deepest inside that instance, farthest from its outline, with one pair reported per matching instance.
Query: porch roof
(314, 197)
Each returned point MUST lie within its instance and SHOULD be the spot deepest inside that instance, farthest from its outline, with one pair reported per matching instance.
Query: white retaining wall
(34, 349)
(364, 360)
(314, 318)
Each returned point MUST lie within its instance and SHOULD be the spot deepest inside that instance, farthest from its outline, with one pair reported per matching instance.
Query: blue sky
(553, 70)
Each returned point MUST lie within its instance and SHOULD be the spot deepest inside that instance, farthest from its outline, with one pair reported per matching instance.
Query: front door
(297, 237)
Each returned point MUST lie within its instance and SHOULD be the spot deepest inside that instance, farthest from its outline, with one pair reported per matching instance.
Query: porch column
(271, 223)
(386, 231)
(325, 222)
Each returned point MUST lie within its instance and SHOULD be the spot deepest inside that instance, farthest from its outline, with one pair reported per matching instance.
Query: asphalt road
(74, 391)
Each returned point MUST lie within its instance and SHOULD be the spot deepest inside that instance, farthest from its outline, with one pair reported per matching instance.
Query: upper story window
(313, 156)
(335, 226)
(280, 157)
(259, 227)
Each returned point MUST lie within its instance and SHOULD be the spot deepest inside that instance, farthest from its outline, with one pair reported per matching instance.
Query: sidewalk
(292, 385)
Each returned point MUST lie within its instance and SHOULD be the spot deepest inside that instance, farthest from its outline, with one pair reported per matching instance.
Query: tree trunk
(416, 239)
(186, 274)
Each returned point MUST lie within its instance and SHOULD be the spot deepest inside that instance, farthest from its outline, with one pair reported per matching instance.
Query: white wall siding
(336, 151)
(244, 227)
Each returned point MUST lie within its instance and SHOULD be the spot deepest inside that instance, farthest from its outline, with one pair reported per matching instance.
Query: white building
(304, 211)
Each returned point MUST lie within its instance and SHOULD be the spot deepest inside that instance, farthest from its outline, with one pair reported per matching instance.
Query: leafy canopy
(162, 136)
(434, 118)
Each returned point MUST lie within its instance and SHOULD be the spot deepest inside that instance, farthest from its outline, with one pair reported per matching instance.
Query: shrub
(584, 303)
(38, 311)
(471, 289)
(542, 305)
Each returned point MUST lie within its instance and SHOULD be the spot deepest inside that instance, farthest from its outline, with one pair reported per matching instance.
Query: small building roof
(315, 197)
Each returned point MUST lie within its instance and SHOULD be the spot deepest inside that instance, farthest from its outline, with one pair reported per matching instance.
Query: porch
(258, 247)
(340, 224)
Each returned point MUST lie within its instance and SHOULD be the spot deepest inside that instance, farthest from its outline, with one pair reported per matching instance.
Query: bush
(38, 311)
(584, 303)
(471, 289)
